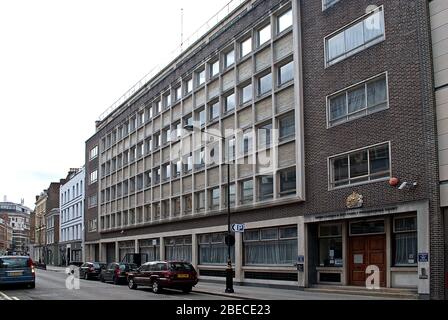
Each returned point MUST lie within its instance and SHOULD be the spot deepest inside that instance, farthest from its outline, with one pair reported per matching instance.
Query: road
(50, 285)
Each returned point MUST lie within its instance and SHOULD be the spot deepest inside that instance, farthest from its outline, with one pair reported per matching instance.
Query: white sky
(62, 63)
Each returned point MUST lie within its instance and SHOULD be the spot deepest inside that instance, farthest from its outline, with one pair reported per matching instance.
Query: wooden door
(363, 252)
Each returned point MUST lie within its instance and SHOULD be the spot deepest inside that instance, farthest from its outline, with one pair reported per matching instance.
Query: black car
(117, 272)
(91, 270)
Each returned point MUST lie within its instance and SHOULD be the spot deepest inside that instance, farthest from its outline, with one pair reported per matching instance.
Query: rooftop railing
(200, 32)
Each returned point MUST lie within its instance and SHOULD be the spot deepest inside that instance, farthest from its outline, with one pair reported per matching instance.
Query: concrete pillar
(162, 248)
(194, 250)
(117, 252)
(103, 253)
(423, 247)
(345, 257)
(301, 252)
(388, 230)
(239, 275)
(136, 247)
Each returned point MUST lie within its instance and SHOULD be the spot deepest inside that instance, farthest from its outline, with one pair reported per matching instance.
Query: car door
(109, 271)
(139, 276)
(82, 270)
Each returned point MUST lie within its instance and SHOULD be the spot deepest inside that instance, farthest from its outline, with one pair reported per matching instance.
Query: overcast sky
(62, 63)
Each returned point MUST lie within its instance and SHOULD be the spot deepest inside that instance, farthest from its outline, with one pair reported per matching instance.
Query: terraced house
(325, 112)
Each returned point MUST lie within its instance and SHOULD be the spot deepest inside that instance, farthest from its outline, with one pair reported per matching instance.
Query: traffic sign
(238, 227)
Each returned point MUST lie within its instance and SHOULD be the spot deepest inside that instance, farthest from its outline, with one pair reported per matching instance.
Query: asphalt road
(50, 285)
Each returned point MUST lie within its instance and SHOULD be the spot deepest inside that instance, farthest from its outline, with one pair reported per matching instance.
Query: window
(214, 199)
(287, 129)
(200, 158)
(247, 191)
(286, 73)
(178, 249)
(93, 201)
(157, 140)
(141, 118)
(166, 135)
(266, 187)
(284, 21)
(230, 148)
(367, 227)
(201, 77)
(94, 153)
(201, 117)
(358, 101)
(230, 102)
(273, 246)
(232, 195)
(166, 171)
(246, 142)
(213, 250)
(178, 93)
(188, 120)
(328, 3)
(246, 47)
(156, 173)
(246, 93)
(214, 111)
(264, 84)
(176, 207)
(188, 163)
(405, 241)
(189, 86)
(214, 68)
(148, 114)
(360, 166)
(330, 245)
(158, 106)
(187, 204)
(94, 176)
(287, 182)
(147, 179)
(200, 201)
(264, 135)
(229, 58)
(167, 100)
(360, 35)
(177, 168)
(264, 35)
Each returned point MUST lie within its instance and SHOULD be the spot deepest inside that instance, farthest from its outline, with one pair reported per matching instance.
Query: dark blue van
(17, 270)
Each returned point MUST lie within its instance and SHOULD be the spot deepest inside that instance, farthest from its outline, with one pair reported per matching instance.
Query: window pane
(330, 230)
(246, 47)
(359, 164)
(354, 37)
(288, 182)
(336, 46)
(278, 252)
(215, 68)
(406, 224)
(266, 187)
(246, 94)
(367, 227)
(290, 232)
(264, 135)
(285, 21)
(269, 234)
(356, 99)
(214, 111)
(286, 73)
(248, 190)
(379, 160)
(287, 127)
(340, 171)
(230, 102)
(376, 92)
(230, 58)
(264, 35)
(338, 107)
(405, 248)
(251, 235)
(265, 84)
(330, 252)
(374, 26)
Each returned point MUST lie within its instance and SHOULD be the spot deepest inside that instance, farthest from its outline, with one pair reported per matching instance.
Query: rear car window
(10, 263)
(97, 265)
(179, 266)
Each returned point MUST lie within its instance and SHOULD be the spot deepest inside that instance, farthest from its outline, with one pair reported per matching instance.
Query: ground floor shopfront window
(271, 246)
(178, 249)
(213, 250)
(405, 241)
(150, 248)
(330, 245)
(124, 248)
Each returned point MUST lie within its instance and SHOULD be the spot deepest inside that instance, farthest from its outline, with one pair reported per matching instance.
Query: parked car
(17, 270)
(117, 272)
(164, 274)
(91, 270)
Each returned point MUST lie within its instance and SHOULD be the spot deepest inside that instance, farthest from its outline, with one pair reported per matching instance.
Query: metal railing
(201, 31)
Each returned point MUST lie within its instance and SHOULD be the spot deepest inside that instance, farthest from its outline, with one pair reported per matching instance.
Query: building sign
(301, 259)
(423, 257)
(238, 227)
(354, 201)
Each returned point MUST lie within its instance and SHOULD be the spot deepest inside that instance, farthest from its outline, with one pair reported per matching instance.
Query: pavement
(203, 290)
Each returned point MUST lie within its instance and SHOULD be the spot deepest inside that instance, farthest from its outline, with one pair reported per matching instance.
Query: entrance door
(363, 252)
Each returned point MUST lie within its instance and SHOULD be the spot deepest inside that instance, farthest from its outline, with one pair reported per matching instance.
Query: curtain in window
(405, 248)
(373, 26)
(150, 252)
(336, 46)
(178, 253)
(215, 253)
(376, 92)
(338, 107)
(356, 99)
(354, 37)
(270, 252)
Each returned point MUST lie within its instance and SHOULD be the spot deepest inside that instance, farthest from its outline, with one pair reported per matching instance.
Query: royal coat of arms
(355, 200)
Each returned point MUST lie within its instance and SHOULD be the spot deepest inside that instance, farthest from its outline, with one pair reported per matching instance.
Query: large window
(287, 127)
(214, 198)
(214, 111)
(330, 245)
(94, 153)
(213, 250)
(328, 3)
(264, 84)
(200, 201)
(246, 47)
(247, 191)
(229, 58)
(178, 249)
(286, 73)
(360, 166)
(214, 68)
(273, 246)
(264, 35)
(230, 102)
(405, 241)
(246, 93)
(358, 36)
(357, 101)
(264, 135)
(287, 182)
(265, 187)
(284, 21)
(94, 176)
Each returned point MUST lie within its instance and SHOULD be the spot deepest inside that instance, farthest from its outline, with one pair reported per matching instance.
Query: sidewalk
(56, 269)
(263, 293)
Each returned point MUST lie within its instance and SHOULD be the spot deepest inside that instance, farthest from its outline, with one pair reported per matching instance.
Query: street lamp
(229, 270)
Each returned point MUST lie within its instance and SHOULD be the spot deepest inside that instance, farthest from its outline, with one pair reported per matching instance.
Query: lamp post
(229, 270)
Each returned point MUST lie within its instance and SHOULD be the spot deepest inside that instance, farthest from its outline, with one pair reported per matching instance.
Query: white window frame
(328, 98)
(361, 48)
(325, 6)
(330, 170)
(95, 153)
(96, 178)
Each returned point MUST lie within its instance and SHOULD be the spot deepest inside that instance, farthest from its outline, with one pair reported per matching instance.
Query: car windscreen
(125, 267)
(180, 266)
(11, 263)
(98, 265)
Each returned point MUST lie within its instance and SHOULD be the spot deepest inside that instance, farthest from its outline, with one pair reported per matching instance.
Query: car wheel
(156, 287)
(187, 289)
(86, 276)
(131, 284)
